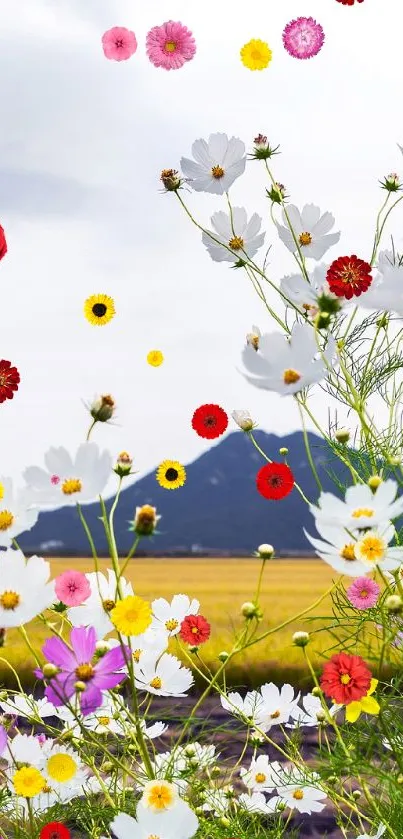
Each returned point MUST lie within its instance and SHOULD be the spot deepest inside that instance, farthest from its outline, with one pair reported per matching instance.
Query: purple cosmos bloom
(76, 666)
(3, 739)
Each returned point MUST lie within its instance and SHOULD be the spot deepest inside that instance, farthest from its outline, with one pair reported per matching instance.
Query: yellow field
(221, 586)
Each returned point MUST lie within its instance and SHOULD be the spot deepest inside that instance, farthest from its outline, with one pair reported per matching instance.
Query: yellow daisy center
(371, 548)
(136, 655)
(217, 172)
(9, 600)
(6, 519)
(104, 720)
(132, 615)
(171, 624)
(236, 243)
(348, 552)
(160, 795)
(291, 376)
(298, 794)
(156, 683)
(274, 715)
(61, 767)
(108, 605)
(362, 511)
(170, 46)
(260, 777)
(28, 781)
(155, 358)
(84, 672)
(71, 486)
(1, 491)
(47, 789)
(305, 239)
(345, 679)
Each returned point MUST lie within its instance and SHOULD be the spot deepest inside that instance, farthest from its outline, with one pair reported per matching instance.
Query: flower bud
(300, 639)
(332, 779)
(101, 648)
(356, 794)
(256, 738)
(215, 771)
(49, 670)
(399, 779)
(391, 182)
(190, 750)
(171, 179)
(252, 338)
(262, 149)
(322, 320)
(320, 716)
(145, 520)
(80, 687)
(342, 435)
(123, 465)
(193, 649)
(102, 408)
(243, 420)
(223, 656)
(394, 603)
(224, 821)
(394, 460)
(281, 806)
(194, 762)
(374, 482)
(276, 193)
(229, 791)
(316, 691)
(107, 766)
(265, 551)
(283, 451)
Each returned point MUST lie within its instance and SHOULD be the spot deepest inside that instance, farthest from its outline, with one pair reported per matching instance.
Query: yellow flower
(99, 309)
(367, 704)
(159, 795)
(61, 767)
(132, 615)
(171, 474)
(28, 781)
(1, 491)
(256, 55)
(155, 358)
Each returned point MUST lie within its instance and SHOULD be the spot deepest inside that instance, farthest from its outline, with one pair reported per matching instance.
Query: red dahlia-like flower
(195, 630)
(349, 2)
(9, 380)
(275, 480)
(349, 276)
(345, 678)
(3, 243)
(209, 421)
(54, 830)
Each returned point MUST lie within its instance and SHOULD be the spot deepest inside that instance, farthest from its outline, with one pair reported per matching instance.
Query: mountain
(217, 511)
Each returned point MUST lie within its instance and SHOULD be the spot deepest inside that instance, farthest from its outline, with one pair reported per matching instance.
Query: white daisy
(305, 294)
(310, 229)
(250, 707)
(17, 515)
(66, 481)
(27, 706)
(377, 835)
(216, 165)
(179, 822)
(169, 616)
(236, 232)
(361, 508)
(164, 677)
(153, 731)
(262, 775)
(277, 705)
(287, 365)
(24, 748)
(254, 803)
(339, 548)
(62, 766)
(298, 795)
(96, 609)
(25, 590)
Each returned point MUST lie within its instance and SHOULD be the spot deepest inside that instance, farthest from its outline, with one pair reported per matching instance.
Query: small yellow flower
(366, 705)
(28, 781)
(132, 615)
(155, 358)
(256, 55)
(99, 309)
(159, 795)
(171, 474)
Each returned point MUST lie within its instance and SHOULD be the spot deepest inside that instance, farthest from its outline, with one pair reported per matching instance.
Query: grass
(221, 586)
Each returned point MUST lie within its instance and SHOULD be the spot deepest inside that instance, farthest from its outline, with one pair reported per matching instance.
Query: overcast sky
(82, 144)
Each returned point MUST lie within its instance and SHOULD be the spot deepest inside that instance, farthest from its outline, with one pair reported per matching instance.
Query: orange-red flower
(349, 2)
(3, 243)
(275, 480)
(345, 678)
(209, 421)
(9, 380)
(195, 630)
(349, 276)
(54, 830)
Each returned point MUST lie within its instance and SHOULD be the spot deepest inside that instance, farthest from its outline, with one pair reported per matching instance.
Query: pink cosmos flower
(170, 45)
(303, 38)
(119, 43)
(72, 588)
(363, 593)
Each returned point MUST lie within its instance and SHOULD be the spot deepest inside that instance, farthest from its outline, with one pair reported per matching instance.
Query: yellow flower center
(371, 548)
(217, 172)
(170, 46)
(156, 683)
(171, 624)
(1, 491)
(362, 511)
(345, 679)
(71, 486)
(194, 630)
(28, 781)
(363, 593)
(290, 377)
(84, 672)
(236, 243)
(160, 795)
(305, 239)
(256, 55)
(47, 789)
(61, 767)
(136, 655)
(348, 552)
(108, 605)
(9, 599)
(104, 720)
(274, 715)
(6, 519)
(260, 778)
(298, 794)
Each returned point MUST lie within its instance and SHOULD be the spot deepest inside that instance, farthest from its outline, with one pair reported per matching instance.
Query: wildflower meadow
(88, 746)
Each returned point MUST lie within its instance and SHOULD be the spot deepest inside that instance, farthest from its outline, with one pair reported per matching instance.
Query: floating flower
(170, 45)
(54, 830)
(99, 309)
(349, 276)
(236, 233)
(210, 421)
(243, 420)
(171, 474)
(119, 43)
(25, 590)
(155, 358)
(195, 630)
(363, 593)
(145, 520)
(72, 588)
(16, 513)
(3, 243)
(178, 822)
(67, 480)
(303, 38)
(131, 616)
(96, 609)
(275, 481)
(345, 678)
(339, 548)
(310, 230)
(277, 705)
(256, 54)
(61, 766)
(9, 380)
(218, 163)
(366, 705)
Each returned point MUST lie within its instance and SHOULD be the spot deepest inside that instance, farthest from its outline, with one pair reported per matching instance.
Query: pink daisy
(119, 43)
(303, 38)
(72, 588)
(363, 593)
(170, 45)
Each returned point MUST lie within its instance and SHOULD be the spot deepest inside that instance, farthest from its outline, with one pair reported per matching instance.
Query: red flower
(195, 630)
(209, 421)
(3, 243)
(9, 380)
(349, 2)
(54, 830)
(349, 276)
(345, 678)
(275, 480)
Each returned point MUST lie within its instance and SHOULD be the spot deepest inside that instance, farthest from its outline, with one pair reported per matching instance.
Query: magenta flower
(170, 45)
(72, 588)
(303, 38)
(119, 43)
(363, 593)
(3, 739)
(76, 666)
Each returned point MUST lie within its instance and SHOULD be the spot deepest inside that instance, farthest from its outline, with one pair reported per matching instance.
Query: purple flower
(76, 666)
(3, 739)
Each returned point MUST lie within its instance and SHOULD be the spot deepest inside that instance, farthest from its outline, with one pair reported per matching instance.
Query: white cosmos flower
(310, 229)
(243, 420)
(311, 714)
(262, 775)
(249, 707)
(386, 290)
(305, 294)
(169, 616)
(298, 795)
(179, 822)
(96, 609)
(154, 730)
(361, 508)
(27, 706)
(373, 550)
(164, 677)
(25, 590)
(149, 644)
(339, 548)
(66, 481)
(287, 365)
(236, 232)
(377, 835)
(277, 705)
(254, 803)
(216, 165)
(17, 515)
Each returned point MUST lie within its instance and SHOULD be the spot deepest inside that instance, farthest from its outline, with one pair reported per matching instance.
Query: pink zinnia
(72, 588)
(303, 38)
(170, 45)
(119, 43)
(363, 593)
